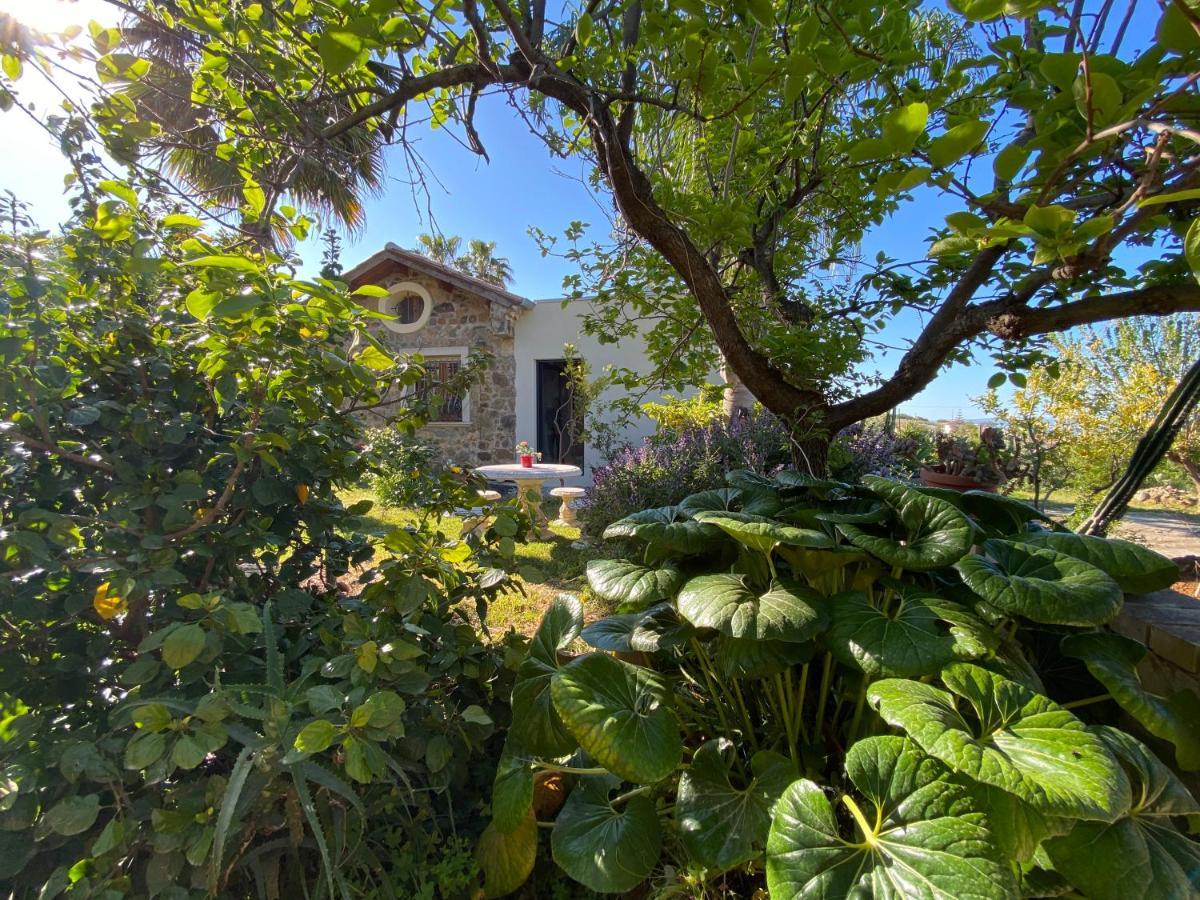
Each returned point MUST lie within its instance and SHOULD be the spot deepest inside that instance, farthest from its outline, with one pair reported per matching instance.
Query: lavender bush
(676, 462)
(870, 450)
(672, 464)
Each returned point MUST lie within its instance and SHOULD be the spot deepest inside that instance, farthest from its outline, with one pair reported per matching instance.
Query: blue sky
(496, 201)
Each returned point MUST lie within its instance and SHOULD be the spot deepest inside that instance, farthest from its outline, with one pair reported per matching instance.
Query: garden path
(1171, 533)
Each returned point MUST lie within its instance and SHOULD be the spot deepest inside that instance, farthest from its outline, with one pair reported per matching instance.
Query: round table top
(517, 472)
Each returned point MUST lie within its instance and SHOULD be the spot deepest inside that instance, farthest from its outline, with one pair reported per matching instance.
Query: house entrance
(559, 423)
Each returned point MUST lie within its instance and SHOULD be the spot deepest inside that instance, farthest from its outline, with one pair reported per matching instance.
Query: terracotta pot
(527, 460)
(933, 478)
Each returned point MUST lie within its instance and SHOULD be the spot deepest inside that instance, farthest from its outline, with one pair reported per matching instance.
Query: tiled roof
(363, 272)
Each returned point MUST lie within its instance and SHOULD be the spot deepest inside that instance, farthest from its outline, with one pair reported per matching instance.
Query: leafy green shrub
(407, 473)
(674, 415)
(207, 685)
(822, 690)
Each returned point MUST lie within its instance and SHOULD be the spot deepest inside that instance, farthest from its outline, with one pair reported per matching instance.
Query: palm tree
(482, 262)
(330, 176)
(441, 248)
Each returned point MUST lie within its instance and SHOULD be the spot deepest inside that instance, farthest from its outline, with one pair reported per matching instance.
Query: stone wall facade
(461, 319)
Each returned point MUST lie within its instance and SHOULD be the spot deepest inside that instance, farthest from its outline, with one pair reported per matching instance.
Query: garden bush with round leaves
(208, 685)
(825, 690)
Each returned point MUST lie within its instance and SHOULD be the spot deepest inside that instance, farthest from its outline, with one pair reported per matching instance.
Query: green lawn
(543, 568)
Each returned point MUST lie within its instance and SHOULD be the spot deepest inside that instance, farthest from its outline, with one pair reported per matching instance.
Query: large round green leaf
(607, 849)
(512, 790)
(789, 478)
(761, 533)
(855, 510)
(722, 825)
(1040, 584)
(747, 479)
(660, 628)
(823, 568)
(668, 529)
(918, 835)
(932, 532)
(1141, 854)
(759, 501)
(995, 514)
(752, 658)
(787, 612)
(1137, 569)
(905, 639)
(646, 631)
(1017, 828)
(1014, 739)
(1113, 660)
(973, 638)
(612, 633)
(536, 724)
(725, 499)
(622, 581)
(618, 713)
(507, 858)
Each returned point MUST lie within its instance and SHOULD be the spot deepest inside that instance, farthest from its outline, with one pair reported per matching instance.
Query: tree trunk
(737, 401)
(810, 454)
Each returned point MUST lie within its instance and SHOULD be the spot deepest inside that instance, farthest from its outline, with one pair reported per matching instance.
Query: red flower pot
(931, 477)
(527, 460)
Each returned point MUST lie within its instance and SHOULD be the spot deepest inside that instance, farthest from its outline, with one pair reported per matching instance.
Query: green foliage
(408, 473)
(199, 694)
(1086, 407)
(672, 415)
(777, 650)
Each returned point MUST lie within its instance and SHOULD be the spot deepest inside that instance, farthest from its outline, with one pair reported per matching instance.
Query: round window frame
(408, 287)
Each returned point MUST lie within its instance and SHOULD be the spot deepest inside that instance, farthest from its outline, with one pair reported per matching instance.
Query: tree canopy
(748, 147)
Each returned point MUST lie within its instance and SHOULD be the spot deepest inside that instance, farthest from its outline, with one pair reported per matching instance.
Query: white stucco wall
(540, 334)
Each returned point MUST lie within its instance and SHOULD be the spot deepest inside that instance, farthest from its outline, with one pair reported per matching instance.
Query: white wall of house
(540, 334)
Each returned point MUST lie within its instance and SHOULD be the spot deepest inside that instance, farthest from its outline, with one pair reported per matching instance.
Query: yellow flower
(302, 493)
(107, 607)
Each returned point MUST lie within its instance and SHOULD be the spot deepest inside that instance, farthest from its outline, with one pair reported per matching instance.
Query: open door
(559, 423)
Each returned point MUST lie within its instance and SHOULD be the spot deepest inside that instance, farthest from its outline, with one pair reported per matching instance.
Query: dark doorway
(559, 423)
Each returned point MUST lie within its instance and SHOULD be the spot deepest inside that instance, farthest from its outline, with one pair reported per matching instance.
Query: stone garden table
(529, 481)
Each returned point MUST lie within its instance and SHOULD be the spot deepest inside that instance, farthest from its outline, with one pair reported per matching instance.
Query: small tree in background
(1039, 439)
(1089, 407)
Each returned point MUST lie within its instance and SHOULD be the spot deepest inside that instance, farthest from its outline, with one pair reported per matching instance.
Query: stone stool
(477, 521)
(566, 512)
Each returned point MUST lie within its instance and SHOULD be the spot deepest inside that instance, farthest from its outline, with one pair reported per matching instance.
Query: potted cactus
(968, 465)
(526, 454)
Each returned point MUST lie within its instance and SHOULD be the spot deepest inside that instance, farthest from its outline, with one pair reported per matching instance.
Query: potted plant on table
(969, 465)
(527, 454)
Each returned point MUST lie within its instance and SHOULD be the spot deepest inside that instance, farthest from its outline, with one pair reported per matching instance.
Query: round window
(408, 309)
(409, 303)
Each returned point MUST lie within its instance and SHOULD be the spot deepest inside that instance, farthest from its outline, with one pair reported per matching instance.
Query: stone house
(444, 314)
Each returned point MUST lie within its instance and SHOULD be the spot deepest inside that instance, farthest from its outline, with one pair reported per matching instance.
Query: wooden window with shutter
(440, 370)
